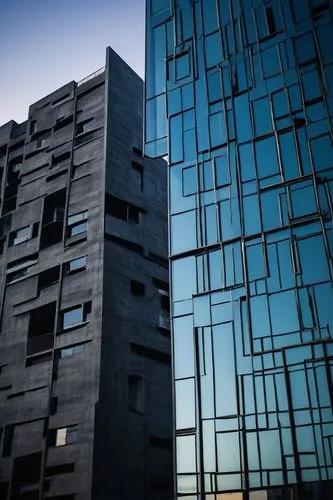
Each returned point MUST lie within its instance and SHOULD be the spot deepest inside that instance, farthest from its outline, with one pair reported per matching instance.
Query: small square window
(135, 393)
(137, 288)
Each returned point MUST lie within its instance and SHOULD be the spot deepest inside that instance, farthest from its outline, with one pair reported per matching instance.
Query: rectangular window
(71, 351)
(48, 277)
(21, 267)
(83, 127)
(135, 393)
(121, 209)
(19, 236)
(75, 265)
(77, 223)
(63, 436)
(73, 316)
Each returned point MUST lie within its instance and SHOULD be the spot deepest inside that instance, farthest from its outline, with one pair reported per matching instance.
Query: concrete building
(85, 392)
(239, 94)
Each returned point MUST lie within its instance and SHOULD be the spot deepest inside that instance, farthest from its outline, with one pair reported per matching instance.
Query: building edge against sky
(239, 95)
(85, 392)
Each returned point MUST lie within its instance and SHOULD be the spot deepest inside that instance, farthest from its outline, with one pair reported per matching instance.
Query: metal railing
(92, 75)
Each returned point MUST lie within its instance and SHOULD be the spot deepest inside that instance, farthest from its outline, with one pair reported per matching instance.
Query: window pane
(73, 316)
(78, 229)
(75, 264)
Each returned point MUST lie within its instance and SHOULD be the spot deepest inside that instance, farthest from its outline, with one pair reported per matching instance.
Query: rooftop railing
(92, 75)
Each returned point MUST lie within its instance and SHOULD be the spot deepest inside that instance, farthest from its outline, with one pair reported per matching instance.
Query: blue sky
(47, 43)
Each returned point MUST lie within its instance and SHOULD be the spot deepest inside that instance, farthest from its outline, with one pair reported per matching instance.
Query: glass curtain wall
(239, 95)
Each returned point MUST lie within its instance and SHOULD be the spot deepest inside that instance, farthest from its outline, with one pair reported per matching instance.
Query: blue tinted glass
(73, 316)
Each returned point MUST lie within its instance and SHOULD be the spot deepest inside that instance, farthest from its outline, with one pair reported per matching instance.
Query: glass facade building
(239, 95)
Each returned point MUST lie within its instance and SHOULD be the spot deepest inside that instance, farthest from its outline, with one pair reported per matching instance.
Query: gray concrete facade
(85, 389)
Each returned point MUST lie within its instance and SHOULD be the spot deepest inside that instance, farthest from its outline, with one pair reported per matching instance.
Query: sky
(45, 44)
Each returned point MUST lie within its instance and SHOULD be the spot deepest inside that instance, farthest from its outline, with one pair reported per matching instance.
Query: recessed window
(76, 265)
(137, 288)
(19, 236)
(77, 223)
(135, 393)
(71, 351)
(73, 316)
(83, 127)
(121, 209)
(63, 436)
(48, 277)
(33, 127)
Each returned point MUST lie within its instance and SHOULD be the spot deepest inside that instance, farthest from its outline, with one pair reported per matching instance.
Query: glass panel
(185, 452)
(75, 264)
(72, 316)
(183, 347)
(185, 404)
(183, 232)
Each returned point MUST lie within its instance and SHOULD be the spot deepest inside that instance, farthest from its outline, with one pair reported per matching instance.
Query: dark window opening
(159, 442)
(75, 316)
(316, 10)
(137, 151)
(270, 21)
(121, 209)
(77, 224)
(27, 469)
(41, 138)
(53, 470)
(33, 127)
(162, 285)
(138, 168)
(165, 303)
(42, 320)
(4, 489)
(36, 360)
(53, 218)
(56, 175)
(8, 441)
(53, 405)
(41, 328)
(21, 267)
(136, 393)
(63, 122)
(153, 354)
(158, 259)
(54, 207)
(48, 277)
(81, 127)
(56, 159)
(137, 288)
